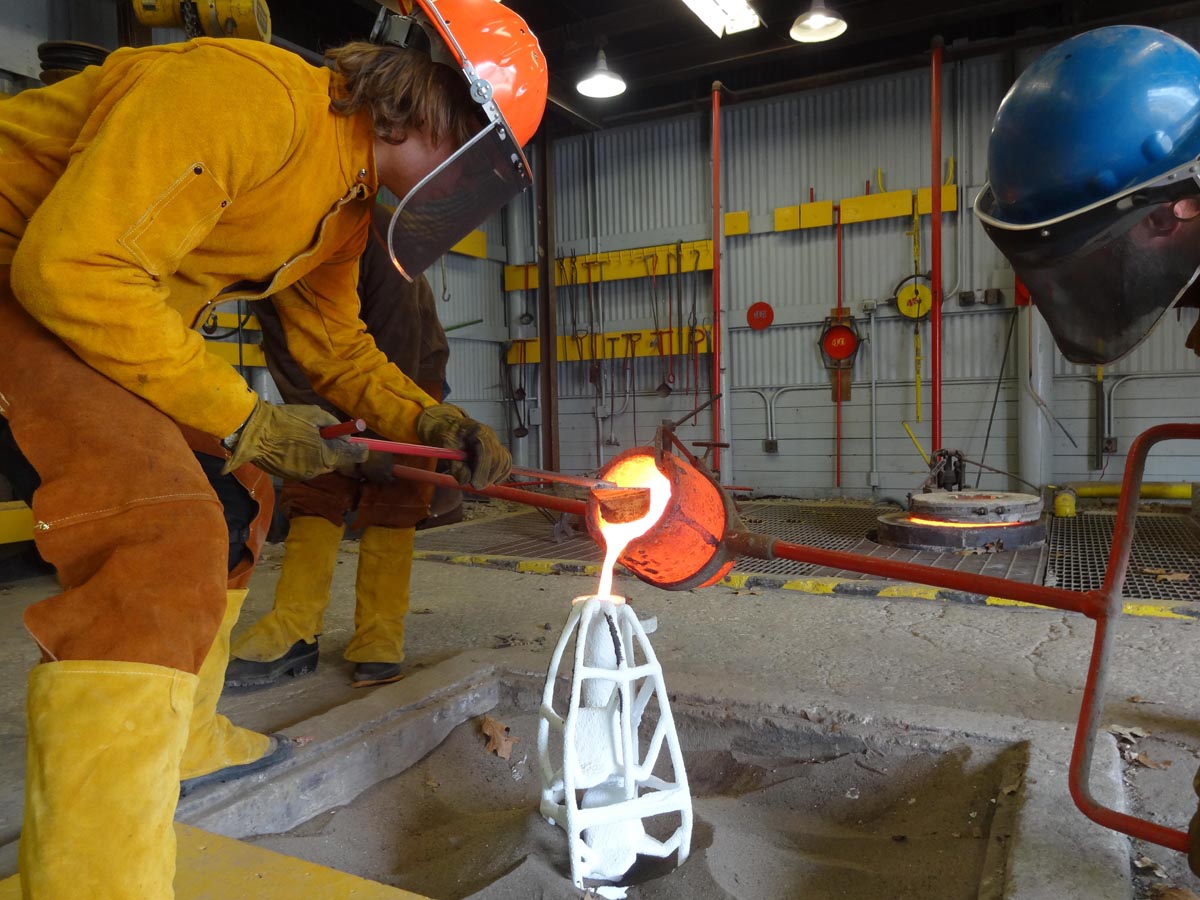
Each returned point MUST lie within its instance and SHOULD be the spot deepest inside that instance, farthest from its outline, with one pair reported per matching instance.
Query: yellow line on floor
(211, 867)
(847, 587)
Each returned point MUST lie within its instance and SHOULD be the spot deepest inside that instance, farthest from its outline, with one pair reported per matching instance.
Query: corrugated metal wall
(649, 184)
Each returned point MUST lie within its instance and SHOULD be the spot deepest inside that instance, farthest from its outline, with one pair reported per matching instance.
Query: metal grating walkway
(1164, 545)
(1074, 557)
(832, 526)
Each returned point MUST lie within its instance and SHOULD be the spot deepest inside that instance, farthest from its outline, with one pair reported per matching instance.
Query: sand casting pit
(784, 807)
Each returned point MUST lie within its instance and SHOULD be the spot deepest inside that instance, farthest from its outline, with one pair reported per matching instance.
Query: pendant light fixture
(601, 82)
(820, 23)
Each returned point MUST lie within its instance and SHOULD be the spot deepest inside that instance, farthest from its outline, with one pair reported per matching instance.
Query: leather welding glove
(447, 426)
(285, 441)
(377, 467)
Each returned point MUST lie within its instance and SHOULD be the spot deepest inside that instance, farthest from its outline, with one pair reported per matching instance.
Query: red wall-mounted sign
(840, 342)
(760, 315)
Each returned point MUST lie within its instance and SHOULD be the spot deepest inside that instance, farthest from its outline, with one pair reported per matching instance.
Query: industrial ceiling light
(601, 82)
(724, 16)
(820, 23)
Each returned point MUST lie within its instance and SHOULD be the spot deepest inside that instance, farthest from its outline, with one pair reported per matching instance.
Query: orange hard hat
(506, 75)
(493, 43)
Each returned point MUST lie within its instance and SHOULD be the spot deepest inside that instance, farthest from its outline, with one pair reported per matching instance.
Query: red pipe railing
(1103, 606)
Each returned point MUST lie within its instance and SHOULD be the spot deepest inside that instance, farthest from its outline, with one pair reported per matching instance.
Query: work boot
(217, 750)
(381, 602)
(102, 778)
(287, 635)
(371, 673)
(300, 659)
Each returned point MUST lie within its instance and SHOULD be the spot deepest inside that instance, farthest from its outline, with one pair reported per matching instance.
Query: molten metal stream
(635, 472)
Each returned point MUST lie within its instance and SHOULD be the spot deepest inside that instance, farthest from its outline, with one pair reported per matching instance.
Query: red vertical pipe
(837, 373)
(935, 242)
(715, 383)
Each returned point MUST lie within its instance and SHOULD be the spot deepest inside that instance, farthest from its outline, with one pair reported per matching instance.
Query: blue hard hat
(1096, 115)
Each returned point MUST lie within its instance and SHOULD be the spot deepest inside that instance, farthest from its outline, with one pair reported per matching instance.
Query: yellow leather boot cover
(384, 569)
(309, 556)
(102, 779)
(213, 741)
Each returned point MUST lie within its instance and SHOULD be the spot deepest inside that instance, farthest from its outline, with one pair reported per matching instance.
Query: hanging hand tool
(526, 317)
(631, 342)
(521, 400)
(678, 345)
(612, 440)
(576, 333)
(445, 284)
(670, 380)
(594, 367)
(691, 343)
(664, 389)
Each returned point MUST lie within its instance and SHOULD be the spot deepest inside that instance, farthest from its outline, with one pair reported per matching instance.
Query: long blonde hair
(405, 90)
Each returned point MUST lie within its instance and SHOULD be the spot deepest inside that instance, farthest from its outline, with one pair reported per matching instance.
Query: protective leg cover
(102, 779)
(384, 568)
(309, 556)
(214, 742)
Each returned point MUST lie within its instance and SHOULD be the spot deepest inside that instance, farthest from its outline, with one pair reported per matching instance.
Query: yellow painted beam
(251, 354)
(474, 244)
(572, 350)
(787, 218)
(16, 522)
(737, 223)
(230, 320)
(816, 215)
(949, 199)
(617, 265)
(870, 207)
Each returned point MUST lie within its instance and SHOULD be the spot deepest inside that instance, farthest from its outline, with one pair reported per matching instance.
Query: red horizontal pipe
(409, 449)
(354, 426)
(1090, 604)
(500, 492)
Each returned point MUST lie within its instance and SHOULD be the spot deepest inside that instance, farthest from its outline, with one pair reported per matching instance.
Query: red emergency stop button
(839, 342)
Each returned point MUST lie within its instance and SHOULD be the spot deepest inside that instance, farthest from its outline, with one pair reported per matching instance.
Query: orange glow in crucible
(634, 472)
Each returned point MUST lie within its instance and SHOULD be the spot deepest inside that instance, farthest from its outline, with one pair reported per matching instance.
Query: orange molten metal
(679, 544)
(937, 523)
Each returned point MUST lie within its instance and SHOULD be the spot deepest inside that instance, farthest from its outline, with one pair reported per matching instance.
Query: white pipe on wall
(1035, 365)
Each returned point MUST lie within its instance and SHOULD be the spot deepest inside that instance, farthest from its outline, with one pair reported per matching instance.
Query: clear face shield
(1104, 276)
(485, 173)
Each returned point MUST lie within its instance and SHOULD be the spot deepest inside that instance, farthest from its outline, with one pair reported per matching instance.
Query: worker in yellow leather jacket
(133, 198)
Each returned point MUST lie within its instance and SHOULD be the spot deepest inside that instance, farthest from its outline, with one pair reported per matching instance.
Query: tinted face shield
(460, 194)
(453, 199)
(1103, 277)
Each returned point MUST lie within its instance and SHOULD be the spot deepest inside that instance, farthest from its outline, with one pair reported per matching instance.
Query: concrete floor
(972, 669)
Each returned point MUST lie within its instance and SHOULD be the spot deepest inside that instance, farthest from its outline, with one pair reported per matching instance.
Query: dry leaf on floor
(1145, 862)
(1127, 733)
(1143, 760)
(1146, 570)
(1138, 698)
(302, 741)
(1174, 576)
(1165, 892)
(498, 737)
